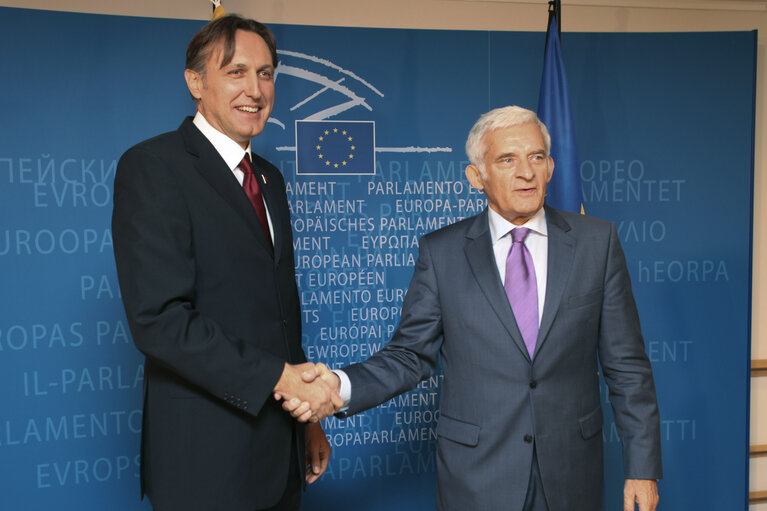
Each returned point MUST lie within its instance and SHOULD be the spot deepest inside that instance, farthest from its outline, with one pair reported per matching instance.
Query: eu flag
(335, 147)
(564, 190)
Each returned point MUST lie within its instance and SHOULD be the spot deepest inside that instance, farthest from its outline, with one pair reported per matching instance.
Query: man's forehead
(218, 48)
(527, 134)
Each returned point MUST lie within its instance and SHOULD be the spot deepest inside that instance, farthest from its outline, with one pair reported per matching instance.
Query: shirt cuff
(345, 392)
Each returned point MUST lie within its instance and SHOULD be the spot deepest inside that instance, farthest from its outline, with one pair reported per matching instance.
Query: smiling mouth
(248, 109)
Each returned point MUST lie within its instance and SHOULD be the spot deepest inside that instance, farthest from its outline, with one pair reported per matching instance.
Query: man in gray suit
(521, 302)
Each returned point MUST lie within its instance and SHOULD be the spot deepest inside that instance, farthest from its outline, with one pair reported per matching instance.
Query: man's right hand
(309, 392)
(301, 409)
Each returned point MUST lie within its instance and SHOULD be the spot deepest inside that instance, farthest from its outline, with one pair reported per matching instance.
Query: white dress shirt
(536, 242)
(232, 154)
(500, 235)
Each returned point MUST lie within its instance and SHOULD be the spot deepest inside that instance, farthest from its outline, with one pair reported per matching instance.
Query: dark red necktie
(253, 191)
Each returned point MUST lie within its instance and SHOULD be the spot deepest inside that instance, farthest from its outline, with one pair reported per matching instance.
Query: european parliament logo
(335, 148)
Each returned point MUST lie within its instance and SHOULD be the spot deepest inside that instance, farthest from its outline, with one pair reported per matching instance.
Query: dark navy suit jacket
(216, 312)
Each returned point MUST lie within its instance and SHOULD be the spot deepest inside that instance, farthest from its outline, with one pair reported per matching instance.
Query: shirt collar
(500, 227)
(229, 150)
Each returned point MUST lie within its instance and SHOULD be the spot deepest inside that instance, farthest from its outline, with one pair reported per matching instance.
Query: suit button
(533, 384)
(284, 322)
(528, 439)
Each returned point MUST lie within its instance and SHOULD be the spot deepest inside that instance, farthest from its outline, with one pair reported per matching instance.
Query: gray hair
(498, 118)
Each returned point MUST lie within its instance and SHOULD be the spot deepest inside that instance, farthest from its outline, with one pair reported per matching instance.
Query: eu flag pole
(564, 190)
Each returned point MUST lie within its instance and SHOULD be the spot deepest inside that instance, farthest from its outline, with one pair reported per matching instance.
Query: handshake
(309, 392)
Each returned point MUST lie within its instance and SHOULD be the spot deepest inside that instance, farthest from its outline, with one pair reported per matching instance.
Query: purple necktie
(521, 288)
(253, 191)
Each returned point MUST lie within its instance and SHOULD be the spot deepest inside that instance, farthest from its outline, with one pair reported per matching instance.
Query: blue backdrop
(665, 132)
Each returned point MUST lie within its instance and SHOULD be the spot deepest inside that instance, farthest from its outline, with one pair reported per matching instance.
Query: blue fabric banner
(564, 190)
(78, 89)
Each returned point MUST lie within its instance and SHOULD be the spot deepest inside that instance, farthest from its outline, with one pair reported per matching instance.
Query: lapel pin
(264, 178)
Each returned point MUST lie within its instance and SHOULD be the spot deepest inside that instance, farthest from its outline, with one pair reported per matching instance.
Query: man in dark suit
(521, 302)
(203, 246)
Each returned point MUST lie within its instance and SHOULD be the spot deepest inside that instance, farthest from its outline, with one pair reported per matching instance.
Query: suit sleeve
(156, 268)
(627, 370)
(413, 351)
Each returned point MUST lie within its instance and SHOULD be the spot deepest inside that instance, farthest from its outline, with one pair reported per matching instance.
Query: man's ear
(550, 168)
(194, 82)
(475, 177)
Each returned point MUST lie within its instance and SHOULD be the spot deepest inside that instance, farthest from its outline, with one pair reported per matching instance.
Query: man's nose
(525, 169)
(253, 87)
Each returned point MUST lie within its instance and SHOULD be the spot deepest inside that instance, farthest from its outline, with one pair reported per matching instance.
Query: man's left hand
(317, 452)
(642, 491)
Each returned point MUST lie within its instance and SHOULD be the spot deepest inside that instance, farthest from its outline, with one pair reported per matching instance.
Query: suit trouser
(535, 500)
(291, 498)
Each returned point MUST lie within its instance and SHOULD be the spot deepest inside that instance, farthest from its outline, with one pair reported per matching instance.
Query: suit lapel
(479, 253)
(560, 262)
(215, 171)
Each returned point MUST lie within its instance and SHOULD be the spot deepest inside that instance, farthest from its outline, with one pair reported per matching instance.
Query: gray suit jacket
(496, 404)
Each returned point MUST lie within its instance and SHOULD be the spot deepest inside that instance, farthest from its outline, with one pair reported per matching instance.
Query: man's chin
(256, 130)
